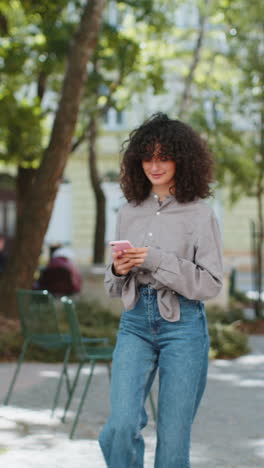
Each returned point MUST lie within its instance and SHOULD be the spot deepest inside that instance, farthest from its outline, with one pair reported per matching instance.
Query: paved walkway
(228, 431)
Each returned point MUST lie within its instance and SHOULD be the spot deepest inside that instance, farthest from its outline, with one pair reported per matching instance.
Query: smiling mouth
(156, 175)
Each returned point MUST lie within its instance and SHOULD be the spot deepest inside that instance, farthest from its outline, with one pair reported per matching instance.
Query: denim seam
(194, 400)
(137, 435)
(203, 317)
(200, 371)
(151, 315)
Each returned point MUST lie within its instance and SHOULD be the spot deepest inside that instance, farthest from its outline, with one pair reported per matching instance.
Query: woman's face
(160, 171)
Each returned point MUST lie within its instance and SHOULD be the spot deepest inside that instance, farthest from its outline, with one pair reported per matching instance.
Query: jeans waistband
(147, 289)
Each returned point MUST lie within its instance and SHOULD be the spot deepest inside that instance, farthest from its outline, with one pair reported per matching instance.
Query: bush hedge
(226, 341)
(98, 321)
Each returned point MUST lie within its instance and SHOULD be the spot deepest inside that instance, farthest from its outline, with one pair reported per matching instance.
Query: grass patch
(3, 450)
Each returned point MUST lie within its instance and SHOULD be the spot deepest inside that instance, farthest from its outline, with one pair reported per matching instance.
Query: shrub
(93, 314)
(241, 297)
(218, 314)
(10, 344)
(227, 341)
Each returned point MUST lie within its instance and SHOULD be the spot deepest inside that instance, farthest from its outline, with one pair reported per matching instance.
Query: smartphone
(120, 245)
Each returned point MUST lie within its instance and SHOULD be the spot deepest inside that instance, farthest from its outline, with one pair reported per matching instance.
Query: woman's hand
(125, 260)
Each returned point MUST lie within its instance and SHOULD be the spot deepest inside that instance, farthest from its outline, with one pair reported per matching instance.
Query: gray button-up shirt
(184, 255)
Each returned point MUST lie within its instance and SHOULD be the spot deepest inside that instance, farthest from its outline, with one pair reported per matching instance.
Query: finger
(122, 261)
(138, 262)
(123, 268)
(133, 254)
(118, 254)
(130, 265)
(136, 256)
(136, 250)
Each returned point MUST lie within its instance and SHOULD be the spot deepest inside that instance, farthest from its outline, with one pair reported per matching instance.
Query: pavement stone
(228, 431)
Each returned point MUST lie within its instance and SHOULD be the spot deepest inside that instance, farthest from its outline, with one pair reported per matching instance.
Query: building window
(114, 119)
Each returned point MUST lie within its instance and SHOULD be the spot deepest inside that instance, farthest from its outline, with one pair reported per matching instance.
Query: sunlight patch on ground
(236, 380)
(255, 359)
(252, 383)
(221, 363)
(55, 450)
(224, 377)
(6, 425)
(12, 413)
(258, 445)
(98, 370)
(66, 454)
(50, 374)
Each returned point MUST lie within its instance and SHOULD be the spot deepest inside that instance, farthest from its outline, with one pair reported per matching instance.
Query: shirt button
(173, 292)
(156, 196)
(158, 212)
(141, 272)
(150, 234)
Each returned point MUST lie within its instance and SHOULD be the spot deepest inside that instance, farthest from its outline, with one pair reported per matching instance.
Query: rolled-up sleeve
(114, 284)
(199, 279)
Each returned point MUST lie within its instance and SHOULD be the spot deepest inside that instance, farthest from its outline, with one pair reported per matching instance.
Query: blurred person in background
(61, 276)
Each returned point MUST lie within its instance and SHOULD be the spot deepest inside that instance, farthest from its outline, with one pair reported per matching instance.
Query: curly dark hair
(177, 141)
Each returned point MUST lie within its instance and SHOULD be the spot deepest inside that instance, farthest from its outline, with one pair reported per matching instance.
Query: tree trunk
(259, 252)
(99, 233)
(24, 257)
(24, 182)
(260, 230)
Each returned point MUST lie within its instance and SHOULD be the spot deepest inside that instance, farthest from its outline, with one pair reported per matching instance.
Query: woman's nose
(154, 164)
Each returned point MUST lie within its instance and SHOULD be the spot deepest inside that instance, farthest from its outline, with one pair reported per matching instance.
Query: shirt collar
(154, 196)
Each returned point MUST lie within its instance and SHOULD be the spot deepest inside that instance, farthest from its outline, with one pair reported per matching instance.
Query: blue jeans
(180, 350)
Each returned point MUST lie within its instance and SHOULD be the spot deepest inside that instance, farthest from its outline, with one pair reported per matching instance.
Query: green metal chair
(86, 354)
(39, 326)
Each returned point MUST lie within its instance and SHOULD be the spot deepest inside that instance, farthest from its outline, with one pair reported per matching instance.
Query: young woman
(175, 264)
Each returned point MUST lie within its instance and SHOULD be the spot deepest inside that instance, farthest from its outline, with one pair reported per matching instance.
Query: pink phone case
(120, 245)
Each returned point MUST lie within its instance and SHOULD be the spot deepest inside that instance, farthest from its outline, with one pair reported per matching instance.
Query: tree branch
(100, 112)
(196, 58)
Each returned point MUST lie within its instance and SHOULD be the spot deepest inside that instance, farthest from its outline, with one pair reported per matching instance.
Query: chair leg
(19, 363)
(108, 365)
(152, 405)
(64, 373)
(82, 399)
(71, 391)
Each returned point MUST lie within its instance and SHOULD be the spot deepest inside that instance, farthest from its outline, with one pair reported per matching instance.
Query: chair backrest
(37, 314)
(74, 325)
